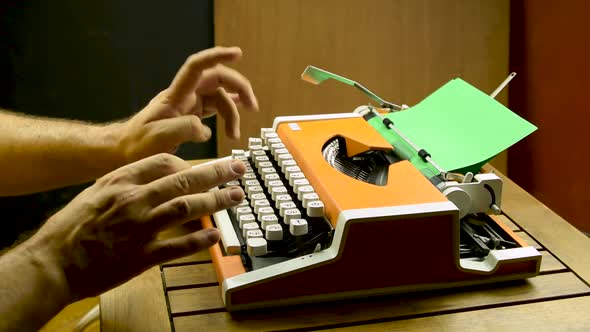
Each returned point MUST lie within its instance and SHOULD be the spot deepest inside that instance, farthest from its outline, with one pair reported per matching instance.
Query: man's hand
(107, 234)
(201, 88)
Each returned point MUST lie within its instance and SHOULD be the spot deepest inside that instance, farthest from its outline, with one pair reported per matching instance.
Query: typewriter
(345, 206)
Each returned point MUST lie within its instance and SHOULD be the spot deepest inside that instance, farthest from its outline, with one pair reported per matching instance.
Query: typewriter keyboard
(282, 216)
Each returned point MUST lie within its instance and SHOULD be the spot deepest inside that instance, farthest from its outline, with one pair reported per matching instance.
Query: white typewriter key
(268, 136)
(248, 176)
(296, 176)
(254, 190)
(315, 209)
(274, 146)
(275, 191)
(249, 227)
(249, 169)
(290, 170)
(232, 183)
(260, 159)
(258, 196)
(254, 233)
(265, 211)
(282, 198)
(243, 158)
(304, 190)
(298, 227)
(282, 158)
(257, 204)
(243, 211)
(291, 214)
(243, 203)
(235, 153)
(250, 183)
(286, 206)
(275, 183)
(265, 131)
(267, 220)
(288, 163)
(281, 151)
(274, 232)
(300, 182)
(309, 197)
(270, 177)
(254, 141)
(257, 153)
(256, 246)
(267, 170)
(264, 164)
(274, 140)
(246, 219)
(248, 188)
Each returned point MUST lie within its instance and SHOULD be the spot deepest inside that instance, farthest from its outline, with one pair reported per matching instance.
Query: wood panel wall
(402, 50)
(550, 48)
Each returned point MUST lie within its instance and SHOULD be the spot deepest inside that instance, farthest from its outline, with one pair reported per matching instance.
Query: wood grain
(559, 315)
(186, 275)
(138, 305)
(402, 50)
(529, 240)
(539, 288)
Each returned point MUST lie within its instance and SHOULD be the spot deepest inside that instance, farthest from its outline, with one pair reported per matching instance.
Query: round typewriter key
(256, 246)
(298, 227)
(249, 227)
(267, 220)
(315, 209)
(246, 219)
(254, 233)
(291, 214)
(274, 232)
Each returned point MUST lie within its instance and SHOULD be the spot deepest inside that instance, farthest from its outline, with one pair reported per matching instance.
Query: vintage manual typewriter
(346, 205)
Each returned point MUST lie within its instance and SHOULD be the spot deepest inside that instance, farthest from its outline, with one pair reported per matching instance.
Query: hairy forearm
(39, 154)
(32, 290)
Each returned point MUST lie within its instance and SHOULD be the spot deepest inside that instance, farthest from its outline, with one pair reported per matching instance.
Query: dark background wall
(92, 60)
(550, 51)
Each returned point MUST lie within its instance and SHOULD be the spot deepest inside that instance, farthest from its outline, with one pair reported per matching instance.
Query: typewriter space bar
(229, 239)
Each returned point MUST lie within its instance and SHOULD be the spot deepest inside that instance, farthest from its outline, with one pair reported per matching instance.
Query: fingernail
(236, 194)
(212, 235)
(237, 167)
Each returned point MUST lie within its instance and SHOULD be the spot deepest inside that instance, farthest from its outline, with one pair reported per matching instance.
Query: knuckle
(124, 202)
(181, 207)
(183, 184)
(114, 178)
(220, 170)
(169, 162)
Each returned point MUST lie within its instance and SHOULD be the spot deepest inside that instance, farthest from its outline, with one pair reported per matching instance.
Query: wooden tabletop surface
(184, 295)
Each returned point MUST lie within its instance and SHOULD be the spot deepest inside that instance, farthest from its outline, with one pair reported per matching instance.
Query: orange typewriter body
(399, 237)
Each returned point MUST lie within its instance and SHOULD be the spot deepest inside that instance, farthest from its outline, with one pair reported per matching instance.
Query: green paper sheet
(460, 126)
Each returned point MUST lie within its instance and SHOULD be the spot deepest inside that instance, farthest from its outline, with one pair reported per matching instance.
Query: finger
(178, 130)
(190, 207)
(225, 106)
(231, 80)
(194, 180)
(236, 98)
(160, 251)
(145, 170)
(186, 80)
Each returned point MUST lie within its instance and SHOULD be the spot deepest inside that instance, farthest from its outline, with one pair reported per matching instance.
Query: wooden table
(184, 295)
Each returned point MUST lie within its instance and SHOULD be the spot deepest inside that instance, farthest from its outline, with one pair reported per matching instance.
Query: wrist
(113, 137)
(44, 263)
